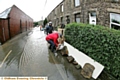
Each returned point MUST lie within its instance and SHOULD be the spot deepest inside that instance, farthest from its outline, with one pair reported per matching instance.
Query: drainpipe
(3, 34)
(9, 27)
(26, 25)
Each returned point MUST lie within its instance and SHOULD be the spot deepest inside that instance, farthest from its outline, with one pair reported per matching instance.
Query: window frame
(77, 16)
(76, 3)
(114, 21)
(62, 8)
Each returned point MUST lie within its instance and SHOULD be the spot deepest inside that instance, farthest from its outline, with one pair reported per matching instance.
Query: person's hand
(57, 48)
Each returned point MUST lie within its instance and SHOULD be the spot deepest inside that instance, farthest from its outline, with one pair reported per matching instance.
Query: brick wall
(4, 31)
(16, 23)
(19, 21)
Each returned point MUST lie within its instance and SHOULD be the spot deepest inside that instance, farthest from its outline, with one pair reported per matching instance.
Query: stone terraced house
(97, 12)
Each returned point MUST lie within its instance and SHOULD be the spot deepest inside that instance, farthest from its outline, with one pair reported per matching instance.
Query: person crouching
(52, 39)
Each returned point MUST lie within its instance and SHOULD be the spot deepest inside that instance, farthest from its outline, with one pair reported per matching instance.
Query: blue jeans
(52, 45)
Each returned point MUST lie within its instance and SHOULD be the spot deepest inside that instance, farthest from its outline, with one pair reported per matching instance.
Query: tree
(45, 22)
(35, 23)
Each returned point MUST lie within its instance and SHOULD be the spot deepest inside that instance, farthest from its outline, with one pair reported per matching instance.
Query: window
(93, 14)
(57, 21)
(115, 21)
(61, 20)
(77, 17)
(115, 0)
(77, 2)
(68, 19)
(62, 8)
(55, 11)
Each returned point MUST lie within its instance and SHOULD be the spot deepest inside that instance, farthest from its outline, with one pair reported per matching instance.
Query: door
(92, 18)
(20, 26)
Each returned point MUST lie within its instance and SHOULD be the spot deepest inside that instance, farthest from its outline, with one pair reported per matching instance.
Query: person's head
(50, 23)
(61, 39)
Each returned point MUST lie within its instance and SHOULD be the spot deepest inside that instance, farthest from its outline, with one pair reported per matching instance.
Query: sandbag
(87, 70)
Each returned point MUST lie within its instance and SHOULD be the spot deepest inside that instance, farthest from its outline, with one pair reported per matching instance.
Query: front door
(20, 26)
(92, 18)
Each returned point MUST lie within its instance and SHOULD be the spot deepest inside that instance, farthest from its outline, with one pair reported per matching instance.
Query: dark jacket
(49, 29)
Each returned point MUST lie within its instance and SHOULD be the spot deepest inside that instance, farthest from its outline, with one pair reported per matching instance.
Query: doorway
(92, 18)
(20, 26)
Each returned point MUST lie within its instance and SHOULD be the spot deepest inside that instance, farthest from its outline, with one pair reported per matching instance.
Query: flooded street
(27, 54)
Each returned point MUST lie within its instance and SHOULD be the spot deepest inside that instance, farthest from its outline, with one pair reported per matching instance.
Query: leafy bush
(100, 43)
(45, 21)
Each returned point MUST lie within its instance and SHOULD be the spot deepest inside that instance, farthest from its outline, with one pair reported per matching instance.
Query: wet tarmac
(27, 54)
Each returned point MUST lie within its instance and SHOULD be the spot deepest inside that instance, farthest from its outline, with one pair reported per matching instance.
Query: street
(27, 54)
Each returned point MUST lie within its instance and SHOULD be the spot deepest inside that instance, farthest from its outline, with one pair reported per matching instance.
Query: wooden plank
(82, 59)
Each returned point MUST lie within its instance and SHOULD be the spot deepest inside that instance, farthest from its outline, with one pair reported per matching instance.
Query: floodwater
(27, 54)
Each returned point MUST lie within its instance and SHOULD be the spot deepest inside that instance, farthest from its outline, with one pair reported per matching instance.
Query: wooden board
(81, 58)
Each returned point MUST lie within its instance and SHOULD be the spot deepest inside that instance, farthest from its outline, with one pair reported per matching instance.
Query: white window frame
(77, 3)
(114, 16)
(62, 8)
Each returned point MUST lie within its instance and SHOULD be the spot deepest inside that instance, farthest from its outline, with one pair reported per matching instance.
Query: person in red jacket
(52, 39)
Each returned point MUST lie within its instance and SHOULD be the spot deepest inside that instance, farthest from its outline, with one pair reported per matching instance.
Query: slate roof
(4, 14)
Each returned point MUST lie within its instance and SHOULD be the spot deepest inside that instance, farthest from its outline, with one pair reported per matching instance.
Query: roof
(5, 13)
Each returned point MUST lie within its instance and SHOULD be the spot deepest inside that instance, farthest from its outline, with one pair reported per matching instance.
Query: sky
(36, 9)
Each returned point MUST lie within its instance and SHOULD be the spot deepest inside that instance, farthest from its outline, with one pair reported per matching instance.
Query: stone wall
(103, 8)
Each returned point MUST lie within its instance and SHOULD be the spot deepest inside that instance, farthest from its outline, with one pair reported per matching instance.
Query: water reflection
(11, 64)
(68, 70)
(2, 55)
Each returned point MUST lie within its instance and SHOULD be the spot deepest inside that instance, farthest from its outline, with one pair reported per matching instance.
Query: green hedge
(100, 43)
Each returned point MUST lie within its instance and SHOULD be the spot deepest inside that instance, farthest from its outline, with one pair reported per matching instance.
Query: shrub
(100, 43)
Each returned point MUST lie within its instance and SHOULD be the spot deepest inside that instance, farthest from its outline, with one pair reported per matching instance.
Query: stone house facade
(97, 12)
